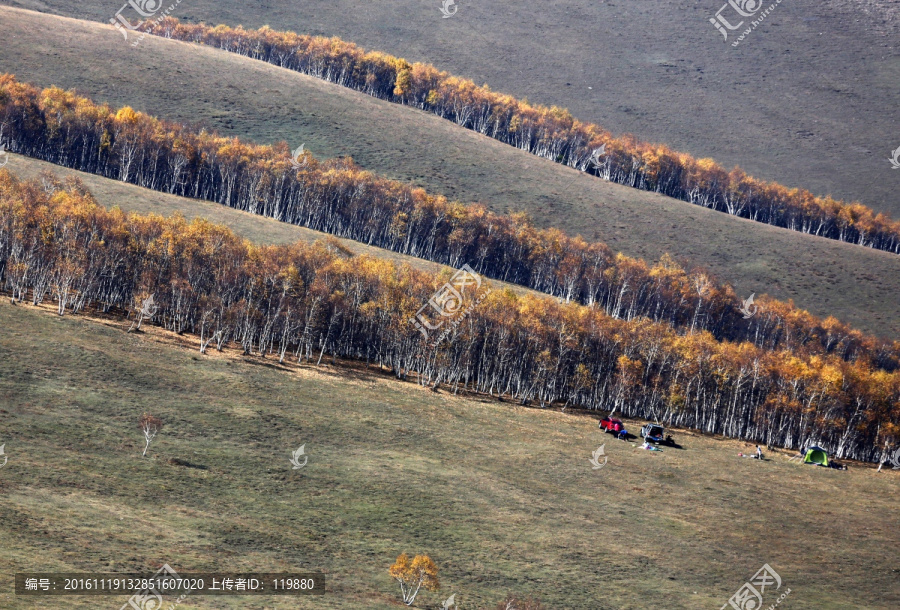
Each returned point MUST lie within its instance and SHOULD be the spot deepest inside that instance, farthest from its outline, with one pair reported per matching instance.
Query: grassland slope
(808, 100)
(855, 284)
(504, 498)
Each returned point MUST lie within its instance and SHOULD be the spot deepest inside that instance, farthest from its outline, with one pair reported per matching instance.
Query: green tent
(816, 455)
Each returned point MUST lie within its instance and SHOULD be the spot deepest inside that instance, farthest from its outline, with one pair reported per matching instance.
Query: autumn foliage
(303, 301)
(552, 132)
(413, 575)
(337, 197)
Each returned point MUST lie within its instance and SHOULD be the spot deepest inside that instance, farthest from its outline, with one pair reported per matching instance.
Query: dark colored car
(653, 433)
(611, 424)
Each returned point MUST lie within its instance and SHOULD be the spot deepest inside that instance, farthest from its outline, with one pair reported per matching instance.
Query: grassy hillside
(807, 100)
(855, 284)
(502, 497)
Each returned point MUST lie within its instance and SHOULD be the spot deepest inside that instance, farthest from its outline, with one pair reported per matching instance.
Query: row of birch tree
(552, 133)
(337, 197)
(309, 302)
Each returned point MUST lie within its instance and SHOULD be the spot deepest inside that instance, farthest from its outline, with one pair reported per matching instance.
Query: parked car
(653, 433)
(611, 424)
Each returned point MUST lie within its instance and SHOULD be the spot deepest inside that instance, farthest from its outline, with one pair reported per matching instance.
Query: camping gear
(816, 455)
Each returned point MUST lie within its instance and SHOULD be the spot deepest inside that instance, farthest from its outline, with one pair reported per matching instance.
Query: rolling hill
(853, 283)
(404, 455)
(503, 498)
(789, 104)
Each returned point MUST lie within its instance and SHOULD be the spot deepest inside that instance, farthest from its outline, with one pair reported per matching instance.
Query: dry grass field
(808, 100)
(503, 498)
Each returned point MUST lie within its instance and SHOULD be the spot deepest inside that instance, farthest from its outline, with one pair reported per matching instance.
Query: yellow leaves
(9, 185)
(127, 116)
(403, 83)
(583, 378)
(456, 212)
(633, 368)
(420, 571)
(234, 150)
(630, 372)
(668, 268)
(831, 377)
(401, 568)
(562, 115)
(676, 398)
(56, 100)
(400, 225)
(651, 162)
(703, 284)
(669, 264)
(708, 165)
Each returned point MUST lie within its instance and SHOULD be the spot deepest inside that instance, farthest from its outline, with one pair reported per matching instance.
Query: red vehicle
(611, 424)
